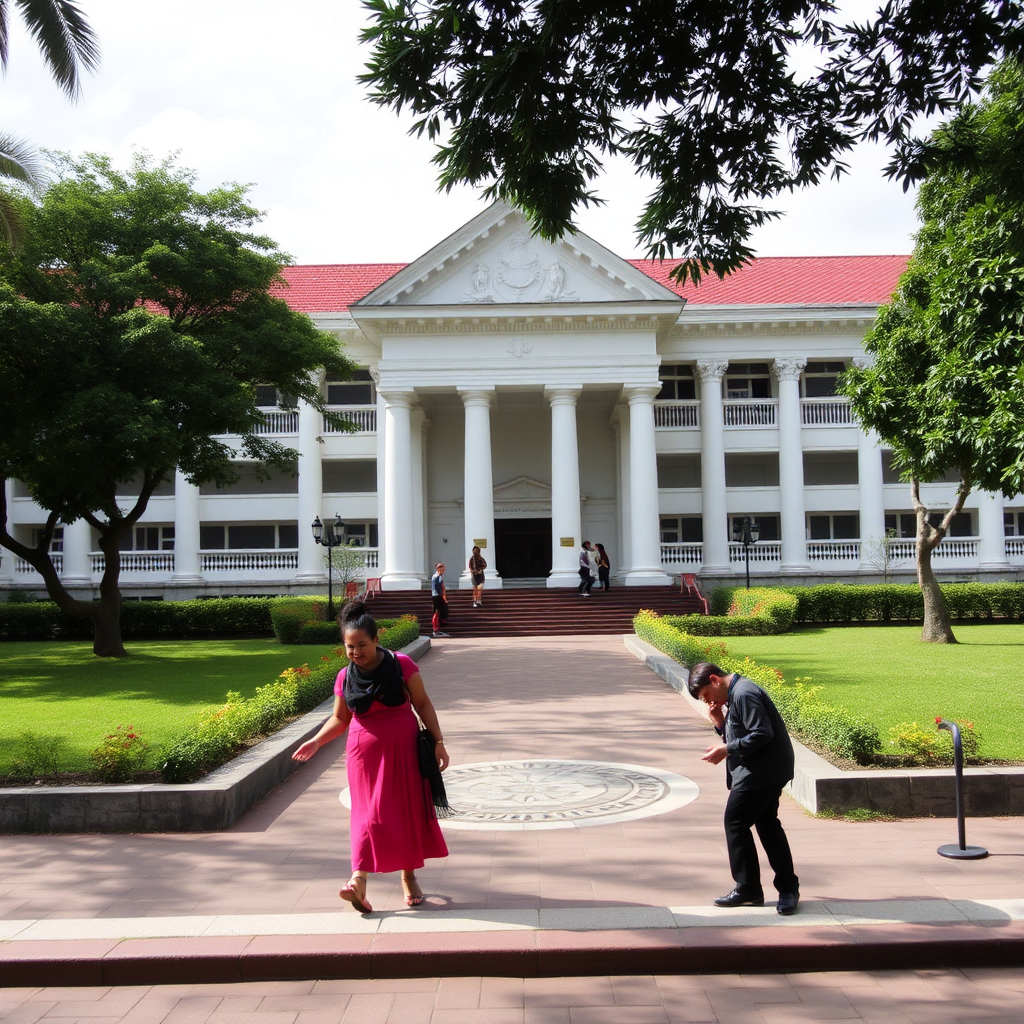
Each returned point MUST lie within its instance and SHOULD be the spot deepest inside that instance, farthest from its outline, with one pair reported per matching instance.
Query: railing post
(962, 851)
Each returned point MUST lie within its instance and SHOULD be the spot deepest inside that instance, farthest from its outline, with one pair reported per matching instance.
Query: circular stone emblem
(543, 794)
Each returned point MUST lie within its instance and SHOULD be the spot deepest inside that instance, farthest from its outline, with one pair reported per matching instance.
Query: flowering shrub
(121, 754)
(917, 745)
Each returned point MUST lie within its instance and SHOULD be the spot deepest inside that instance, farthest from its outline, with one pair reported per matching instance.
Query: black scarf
(383, 683)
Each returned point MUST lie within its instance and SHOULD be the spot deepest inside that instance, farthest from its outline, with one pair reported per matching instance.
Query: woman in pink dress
(393, 823)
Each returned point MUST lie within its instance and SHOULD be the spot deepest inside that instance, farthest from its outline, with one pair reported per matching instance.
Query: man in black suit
(758, 759)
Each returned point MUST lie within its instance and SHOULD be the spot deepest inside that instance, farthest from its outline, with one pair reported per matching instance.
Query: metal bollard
(962, 851)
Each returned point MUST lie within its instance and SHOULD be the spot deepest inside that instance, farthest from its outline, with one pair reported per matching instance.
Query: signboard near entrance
(567, 542)
(480, 542)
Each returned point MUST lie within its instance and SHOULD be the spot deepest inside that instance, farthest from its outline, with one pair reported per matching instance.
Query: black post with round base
(961, 851)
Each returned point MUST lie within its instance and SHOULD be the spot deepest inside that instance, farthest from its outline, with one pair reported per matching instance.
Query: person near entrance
(604, 566)
(759, 761)
(586, 580)
(439, 597)
(477, 564)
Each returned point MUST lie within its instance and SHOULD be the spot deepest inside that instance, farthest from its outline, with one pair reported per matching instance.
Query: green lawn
(61, 688)
(887, 675)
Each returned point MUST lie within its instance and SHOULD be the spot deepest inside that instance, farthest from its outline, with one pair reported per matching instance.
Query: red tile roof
(768, 280)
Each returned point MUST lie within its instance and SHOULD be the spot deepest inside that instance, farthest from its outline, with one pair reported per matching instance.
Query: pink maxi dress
(392, 823)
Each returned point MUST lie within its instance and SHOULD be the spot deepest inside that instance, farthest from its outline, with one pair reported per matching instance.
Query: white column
(872, 498)
(187, 568)
(312, 567)
(991, 531)
(565, 488)
(7, 557)
(77, 566)
(420, 434)
(620, 427)
(478, 489)
(645, 537)
(714, 514)
(398, 541)
(791, 466)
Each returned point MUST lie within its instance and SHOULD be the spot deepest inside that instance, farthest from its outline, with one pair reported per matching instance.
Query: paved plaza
(578, 887)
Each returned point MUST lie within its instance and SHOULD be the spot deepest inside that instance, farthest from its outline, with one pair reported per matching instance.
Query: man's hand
(715, 754)
(716, 713)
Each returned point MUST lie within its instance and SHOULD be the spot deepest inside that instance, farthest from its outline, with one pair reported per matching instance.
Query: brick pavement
(580, 698)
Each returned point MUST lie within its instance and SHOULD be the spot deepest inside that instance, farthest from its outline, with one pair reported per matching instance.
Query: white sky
(265, 93)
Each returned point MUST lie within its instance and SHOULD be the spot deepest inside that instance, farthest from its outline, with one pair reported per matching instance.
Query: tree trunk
(937, 626)
(106, 629)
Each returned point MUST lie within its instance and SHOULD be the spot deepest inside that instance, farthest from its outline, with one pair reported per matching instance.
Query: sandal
(350, 893)
(412, 890)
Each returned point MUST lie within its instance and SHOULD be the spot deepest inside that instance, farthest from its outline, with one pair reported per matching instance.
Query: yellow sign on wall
(567, 542)
(479, 542)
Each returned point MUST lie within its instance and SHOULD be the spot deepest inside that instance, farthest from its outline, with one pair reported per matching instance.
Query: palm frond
(19, 161)
(64, 37)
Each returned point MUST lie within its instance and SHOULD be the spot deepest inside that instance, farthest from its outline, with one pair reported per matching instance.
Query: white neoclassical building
(525, 396)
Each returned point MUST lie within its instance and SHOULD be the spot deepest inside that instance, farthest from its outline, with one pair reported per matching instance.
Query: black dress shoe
(787, 903)
(740, 899)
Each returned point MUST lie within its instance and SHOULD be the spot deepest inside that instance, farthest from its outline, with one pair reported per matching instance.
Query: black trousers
(757, 809)
(586, 581)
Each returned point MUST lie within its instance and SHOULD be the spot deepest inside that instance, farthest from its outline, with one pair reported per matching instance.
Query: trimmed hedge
(143, 620)
(736, 611)
(218, 733)
(903, 602)
(800, 705)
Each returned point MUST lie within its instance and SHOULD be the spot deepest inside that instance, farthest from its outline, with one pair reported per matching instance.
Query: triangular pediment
(494, 261)
(522, 488)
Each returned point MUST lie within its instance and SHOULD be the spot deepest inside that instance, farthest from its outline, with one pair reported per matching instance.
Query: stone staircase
(537, 610)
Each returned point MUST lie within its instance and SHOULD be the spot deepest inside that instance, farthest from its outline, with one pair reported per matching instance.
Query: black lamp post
(747, 534)
(329, 535)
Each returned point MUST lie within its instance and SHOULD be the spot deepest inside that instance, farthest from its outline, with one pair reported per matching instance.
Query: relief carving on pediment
(519, 277)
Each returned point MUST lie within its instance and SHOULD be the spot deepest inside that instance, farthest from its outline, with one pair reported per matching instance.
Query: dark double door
(523, 547)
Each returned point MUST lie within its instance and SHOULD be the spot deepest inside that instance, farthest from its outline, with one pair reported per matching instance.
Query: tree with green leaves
(527, 98)
(946, 391)
(68, 46)
(136, 321)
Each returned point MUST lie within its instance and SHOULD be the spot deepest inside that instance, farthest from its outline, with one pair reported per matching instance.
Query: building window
(347, 476)
(248, 536)
(743, 470)
(677, 383)
(679, 471)
(357, 391)
(1013, 523)
(904, 524)
(769, 526)
(56, 541)
(835, 526)
(682, 530)
(149, 538)
(268, 397)
(748, 380)
(830, 469)
(256, 479)
(361, 535)
(819, 379)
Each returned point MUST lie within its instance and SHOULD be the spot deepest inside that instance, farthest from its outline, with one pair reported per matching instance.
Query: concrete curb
(212, 803)
(911, 793)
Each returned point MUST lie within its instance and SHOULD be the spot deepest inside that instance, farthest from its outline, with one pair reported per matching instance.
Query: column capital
(399, 396)
(711, 370)
(567, 395)
(476, 395)
(789, 367)
(641, 394)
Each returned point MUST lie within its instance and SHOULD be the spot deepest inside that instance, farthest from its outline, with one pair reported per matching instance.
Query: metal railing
(826, 412)
(742, 412)
(679, 415)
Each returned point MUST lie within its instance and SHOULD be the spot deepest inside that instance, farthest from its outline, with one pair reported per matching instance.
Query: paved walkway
(620, 902)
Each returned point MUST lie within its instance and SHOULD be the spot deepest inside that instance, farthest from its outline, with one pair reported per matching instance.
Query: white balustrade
(763, 551)
(135, 561)
(278, 421)
(245, 561)
(833, 550)
(950, 547)
(22, 567)
(1015, 547)
(363, 416)
(681, 554)
(742, 412)
(683, 414)
(826, 412)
